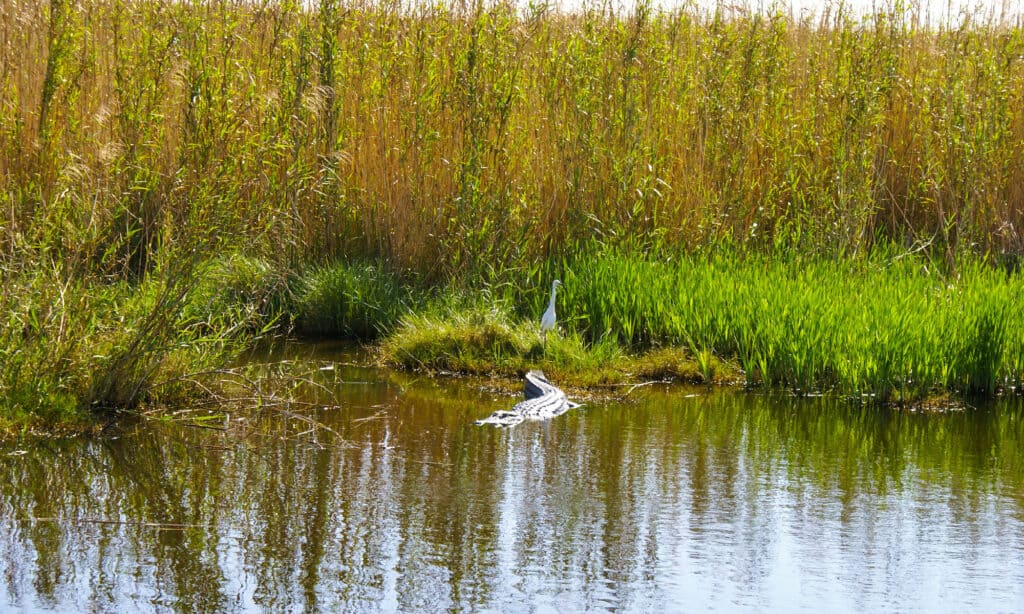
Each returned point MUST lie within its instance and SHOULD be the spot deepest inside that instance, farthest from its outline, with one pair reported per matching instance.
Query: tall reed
(454, 138)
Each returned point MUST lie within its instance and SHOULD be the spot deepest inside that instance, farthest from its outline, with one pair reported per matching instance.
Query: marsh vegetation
(829, 202)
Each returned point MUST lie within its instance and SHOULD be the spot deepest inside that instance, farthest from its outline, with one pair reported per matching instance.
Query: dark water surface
(680, 500)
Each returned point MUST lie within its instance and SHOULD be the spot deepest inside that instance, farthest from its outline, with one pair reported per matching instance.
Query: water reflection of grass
(210, 520)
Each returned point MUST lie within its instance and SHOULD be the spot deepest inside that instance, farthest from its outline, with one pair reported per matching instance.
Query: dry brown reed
(450, 137)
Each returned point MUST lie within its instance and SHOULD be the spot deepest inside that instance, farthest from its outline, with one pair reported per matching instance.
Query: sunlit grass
(472, 340)
(884, 327)
(476, 339)
(179, 178)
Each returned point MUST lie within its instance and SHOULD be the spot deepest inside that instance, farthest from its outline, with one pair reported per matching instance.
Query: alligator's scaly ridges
(536, 385)
(543, 401)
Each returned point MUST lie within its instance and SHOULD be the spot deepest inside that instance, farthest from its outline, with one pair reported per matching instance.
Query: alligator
(543, 401)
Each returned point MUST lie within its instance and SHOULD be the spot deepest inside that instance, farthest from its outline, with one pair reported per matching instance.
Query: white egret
(547, 321)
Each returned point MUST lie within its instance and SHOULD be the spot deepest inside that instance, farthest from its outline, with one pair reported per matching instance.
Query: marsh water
(382, 495)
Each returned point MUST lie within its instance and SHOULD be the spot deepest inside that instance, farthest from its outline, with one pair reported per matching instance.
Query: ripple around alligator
(724, 499)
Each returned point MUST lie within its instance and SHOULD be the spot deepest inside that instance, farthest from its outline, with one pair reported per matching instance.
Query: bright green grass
(882, 327)
(878, 326)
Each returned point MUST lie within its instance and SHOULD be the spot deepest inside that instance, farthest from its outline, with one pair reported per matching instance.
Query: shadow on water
(674, 501)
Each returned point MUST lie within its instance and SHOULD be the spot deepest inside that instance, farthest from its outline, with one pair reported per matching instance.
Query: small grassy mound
(363, 301)
(487, 340)
(473, 340)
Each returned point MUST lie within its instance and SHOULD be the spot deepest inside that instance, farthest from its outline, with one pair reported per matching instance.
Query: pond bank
(882, 329)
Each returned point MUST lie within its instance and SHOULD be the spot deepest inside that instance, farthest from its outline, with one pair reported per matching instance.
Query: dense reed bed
(450, 138)
(877, 326)
(487, 145)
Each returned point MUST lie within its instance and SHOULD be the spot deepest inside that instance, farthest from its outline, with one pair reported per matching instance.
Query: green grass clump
(887, 327)
(363, 301)
(487, 339)
(466, 340)
(73, 348)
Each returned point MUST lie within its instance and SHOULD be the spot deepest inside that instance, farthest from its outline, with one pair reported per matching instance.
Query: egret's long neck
(551, 303)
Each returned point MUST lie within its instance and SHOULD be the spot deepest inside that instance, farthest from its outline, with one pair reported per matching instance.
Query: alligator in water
(544, 400)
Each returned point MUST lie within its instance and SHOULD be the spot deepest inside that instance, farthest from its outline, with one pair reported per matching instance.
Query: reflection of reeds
(596, 485)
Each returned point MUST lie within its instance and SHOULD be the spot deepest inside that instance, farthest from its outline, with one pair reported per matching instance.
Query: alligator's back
(543, 401)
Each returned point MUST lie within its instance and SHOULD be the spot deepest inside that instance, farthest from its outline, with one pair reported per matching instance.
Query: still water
(677, 500)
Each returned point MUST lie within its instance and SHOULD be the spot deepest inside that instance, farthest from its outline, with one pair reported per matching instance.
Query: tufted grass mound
(473, 340)
(487, 340)
(357, 300)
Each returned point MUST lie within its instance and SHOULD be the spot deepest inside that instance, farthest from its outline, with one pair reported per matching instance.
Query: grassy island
(828, 203)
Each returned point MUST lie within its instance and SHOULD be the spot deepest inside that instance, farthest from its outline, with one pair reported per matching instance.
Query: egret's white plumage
(547, 321)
